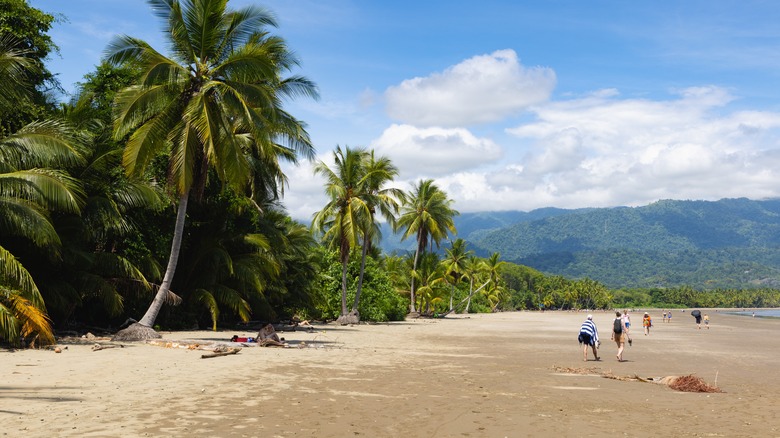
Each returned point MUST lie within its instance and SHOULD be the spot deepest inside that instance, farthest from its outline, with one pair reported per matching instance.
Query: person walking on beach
(707, 321)
(589, 336)
(664, 319)
(619, 335)
(627, 325)
(647, 323)
(697, 315)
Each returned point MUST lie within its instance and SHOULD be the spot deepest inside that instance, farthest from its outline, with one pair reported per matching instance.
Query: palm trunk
(154, 309)
(452, 293)
(360, 279)
(344, 286)
(471, 292)
(414, 268)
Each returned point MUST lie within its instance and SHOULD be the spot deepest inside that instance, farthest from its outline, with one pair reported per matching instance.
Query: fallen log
(221, 353)
(98, 347)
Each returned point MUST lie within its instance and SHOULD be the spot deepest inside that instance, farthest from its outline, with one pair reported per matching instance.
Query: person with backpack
(619, 334)
(589, 336)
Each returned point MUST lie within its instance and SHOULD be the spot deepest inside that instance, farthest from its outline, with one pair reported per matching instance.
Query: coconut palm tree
(454, 264)
(213, 106)
(30, 189)
(377, 173)
(347, 214)
(495, 289)
(428, 215)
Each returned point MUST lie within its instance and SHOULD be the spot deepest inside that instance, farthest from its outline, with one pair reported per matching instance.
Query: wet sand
(463, 376)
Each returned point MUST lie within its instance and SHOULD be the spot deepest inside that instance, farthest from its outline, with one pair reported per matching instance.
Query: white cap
(590, 316)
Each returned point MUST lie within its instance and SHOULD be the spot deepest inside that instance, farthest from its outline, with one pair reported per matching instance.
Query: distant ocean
(763, 313)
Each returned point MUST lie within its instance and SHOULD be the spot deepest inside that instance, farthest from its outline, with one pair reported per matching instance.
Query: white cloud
(481, 89)
(600, 150)
(433, 152)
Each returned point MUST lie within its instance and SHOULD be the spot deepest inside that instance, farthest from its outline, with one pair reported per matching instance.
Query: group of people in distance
(589, 334)
(621, 326)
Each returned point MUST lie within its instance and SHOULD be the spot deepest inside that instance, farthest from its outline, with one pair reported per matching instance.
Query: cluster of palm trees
(179, 157)
(357, 186)
(208, 118)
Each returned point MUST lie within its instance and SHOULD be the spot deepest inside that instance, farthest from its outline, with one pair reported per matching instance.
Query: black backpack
(617, 326)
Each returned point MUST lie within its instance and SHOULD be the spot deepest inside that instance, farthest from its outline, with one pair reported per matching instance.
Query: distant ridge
(730, 243)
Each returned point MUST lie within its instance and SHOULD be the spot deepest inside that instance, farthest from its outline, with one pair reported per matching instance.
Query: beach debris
(221, 351)
(98, 347)
(691, 383)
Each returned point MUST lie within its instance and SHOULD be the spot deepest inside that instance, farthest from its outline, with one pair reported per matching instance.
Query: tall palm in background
(30, 189)
(214, 107)
(379, 199)
(428, 215)
(495, 290)
(345, 217)
(454, 264)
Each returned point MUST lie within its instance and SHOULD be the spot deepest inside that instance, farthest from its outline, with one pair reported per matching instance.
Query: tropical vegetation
(160, 181)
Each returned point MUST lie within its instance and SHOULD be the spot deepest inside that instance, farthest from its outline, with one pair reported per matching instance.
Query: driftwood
(689, 383)
(221, 353)
(98, 347)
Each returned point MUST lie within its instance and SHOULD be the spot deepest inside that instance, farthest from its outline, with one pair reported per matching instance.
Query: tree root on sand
(136, 332)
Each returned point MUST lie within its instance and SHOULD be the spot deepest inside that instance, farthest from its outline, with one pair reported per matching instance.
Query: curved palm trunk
(360, 279)
(173, 259)
(452, 294)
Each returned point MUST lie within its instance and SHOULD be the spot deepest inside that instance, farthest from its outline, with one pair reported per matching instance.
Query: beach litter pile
(689, 383)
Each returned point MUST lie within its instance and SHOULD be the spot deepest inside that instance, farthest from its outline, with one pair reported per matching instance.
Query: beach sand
(463, 376)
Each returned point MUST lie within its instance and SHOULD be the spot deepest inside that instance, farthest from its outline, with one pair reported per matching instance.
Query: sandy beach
(493, 375)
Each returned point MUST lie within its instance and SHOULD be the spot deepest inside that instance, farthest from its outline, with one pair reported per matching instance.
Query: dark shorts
(585, 338)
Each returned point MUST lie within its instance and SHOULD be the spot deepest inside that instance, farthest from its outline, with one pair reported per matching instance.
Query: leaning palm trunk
(143, 329)
(467, 298)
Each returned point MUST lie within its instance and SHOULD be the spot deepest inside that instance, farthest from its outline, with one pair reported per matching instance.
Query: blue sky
(516, 105)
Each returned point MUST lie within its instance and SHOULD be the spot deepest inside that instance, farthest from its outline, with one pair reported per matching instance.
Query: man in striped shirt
(589, 335)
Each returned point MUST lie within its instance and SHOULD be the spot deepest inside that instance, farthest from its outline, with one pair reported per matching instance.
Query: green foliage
(27, 28)
(379, 301)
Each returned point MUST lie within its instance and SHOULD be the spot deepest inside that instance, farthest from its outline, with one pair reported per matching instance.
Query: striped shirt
(589, 328)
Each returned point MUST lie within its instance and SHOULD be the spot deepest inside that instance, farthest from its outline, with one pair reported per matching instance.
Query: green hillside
(727, 243)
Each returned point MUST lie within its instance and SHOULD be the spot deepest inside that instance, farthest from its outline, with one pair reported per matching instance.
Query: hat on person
(590, 316)
(646, 313)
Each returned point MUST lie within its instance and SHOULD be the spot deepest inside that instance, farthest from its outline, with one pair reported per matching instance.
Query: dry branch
(98, 347)
(221, 353)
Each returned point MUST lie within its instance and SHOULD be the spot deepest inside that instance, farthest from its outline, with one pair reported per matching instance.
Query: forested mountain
(726, 243)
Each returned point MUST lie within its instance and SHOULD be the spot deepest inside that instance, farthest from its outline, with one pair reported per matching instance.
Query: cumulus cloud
(601, 150)
(433, 152)
(482, 89)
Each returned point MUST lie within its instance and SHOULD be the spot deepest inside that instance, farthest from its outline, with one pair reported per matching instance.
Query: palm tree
(214, 106)
(345, 216)
(30, 189)
(427, 214)
(454, 264)
(494, 291)
(378, 172)
(429, 276)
